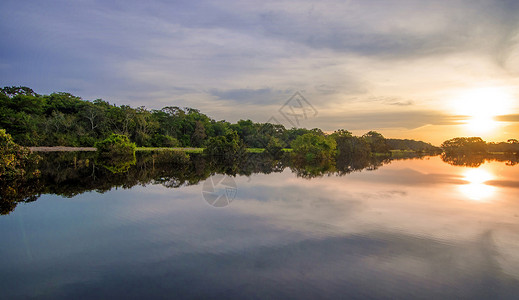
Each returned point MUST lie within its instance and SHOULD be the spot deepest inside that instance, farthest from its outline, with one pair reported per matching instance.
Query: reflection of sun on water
(482, 105)
(476, 189)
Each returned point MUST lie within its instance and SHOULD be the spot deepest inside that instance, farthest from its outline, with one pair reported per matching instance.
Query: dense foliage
(116, 153)
(377, 143)
(66, 120)
(226, 148)
(116, 145)
(314, 148)
(511, 146)
(14, 158)
(471, 145)
(473, 151)
(412, 145)
(352, 147)
(464, 145)
(62, 119)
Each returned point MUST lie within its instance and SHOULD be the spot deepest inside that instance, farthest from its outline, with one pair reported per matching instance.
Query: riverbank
(61, 149)
(184, 149)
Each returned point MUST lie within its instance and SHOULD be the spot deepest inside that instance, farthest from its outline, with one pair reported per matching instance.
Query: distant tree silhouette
(464, 145)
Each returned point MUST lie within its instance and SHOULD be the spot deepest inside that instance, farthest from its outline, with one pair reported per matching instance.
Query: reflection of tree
(69, 174)
(510, 159)
(358, 162)
(263, 163)
(317, 169)
(117, 164)
(476, 160)
(472, 161)
(22, 189)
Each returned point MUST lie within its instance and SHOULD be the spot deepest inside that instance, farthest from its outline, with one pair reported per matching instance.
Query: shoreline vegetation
(62, 119)
(394, 153)
(77, 145)
(65, 123)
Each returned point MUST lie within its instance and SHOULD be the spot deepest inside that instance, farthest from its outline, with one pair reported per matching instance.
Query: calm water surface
(411, 229)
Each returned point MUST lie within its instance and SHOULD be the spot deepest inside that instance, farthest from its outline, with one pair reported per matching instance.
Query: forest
(62, 119)
(30, 119)
(476, 145)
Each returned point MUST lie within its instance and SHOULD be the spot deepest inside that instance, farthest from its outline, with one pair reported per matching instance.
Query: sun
(481, 105)
(476, 189)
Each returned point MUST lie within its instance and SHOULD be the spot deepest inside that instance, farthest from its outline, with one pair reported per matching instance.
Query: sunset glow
(481, 106)
(358, 149)
(476, 189)
(407, 69)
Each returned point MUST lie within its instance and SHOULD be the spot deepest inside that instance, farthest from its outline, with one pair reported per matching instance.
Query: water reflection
(399, 231)
(70, 174)
(476, 160)
(477, 189)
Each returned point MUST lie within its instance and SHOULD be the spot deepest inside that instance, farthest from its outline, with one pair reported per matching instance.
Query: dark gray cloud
(435, 26)
(263, 96)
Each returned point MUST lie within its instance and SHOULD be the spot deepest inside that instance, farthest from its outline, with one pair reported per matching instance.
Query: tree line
(62, 119)
(476, 145)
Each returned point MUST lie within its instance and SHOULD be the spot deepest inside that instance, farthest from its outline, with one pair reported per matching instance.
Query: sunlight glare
(476, 189)
(481, 124)
(482, 105)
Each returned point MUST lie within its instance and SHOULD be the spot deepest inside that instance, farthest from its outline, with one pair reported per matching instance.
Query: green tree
(115, 145)
(145, 126)
(12, 91)
(376, 142)
(313, 148)
(227, 148)
(160, 140)
(341, 133)
(199, 135)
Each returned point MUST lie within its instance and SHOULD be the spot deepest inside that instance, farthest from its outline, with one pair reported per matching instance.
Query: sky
(427, 70)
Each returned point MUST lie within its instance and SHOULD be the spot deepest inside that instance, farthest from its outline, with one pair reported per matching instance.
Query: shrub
(14, 159)
(313, 148)
(115, 145)
(227, 147)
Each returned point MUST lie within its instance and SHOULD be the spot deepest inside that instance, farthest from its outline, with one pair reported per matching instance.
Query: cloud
(391, 101)
(401, 103)
(508, 118)
(504, 183)
(252, 96)
(411, 119)
(233, 57)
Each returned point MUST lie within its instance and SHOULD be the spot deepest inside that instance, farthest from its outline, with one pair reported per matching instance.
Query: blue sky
(394, 66)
